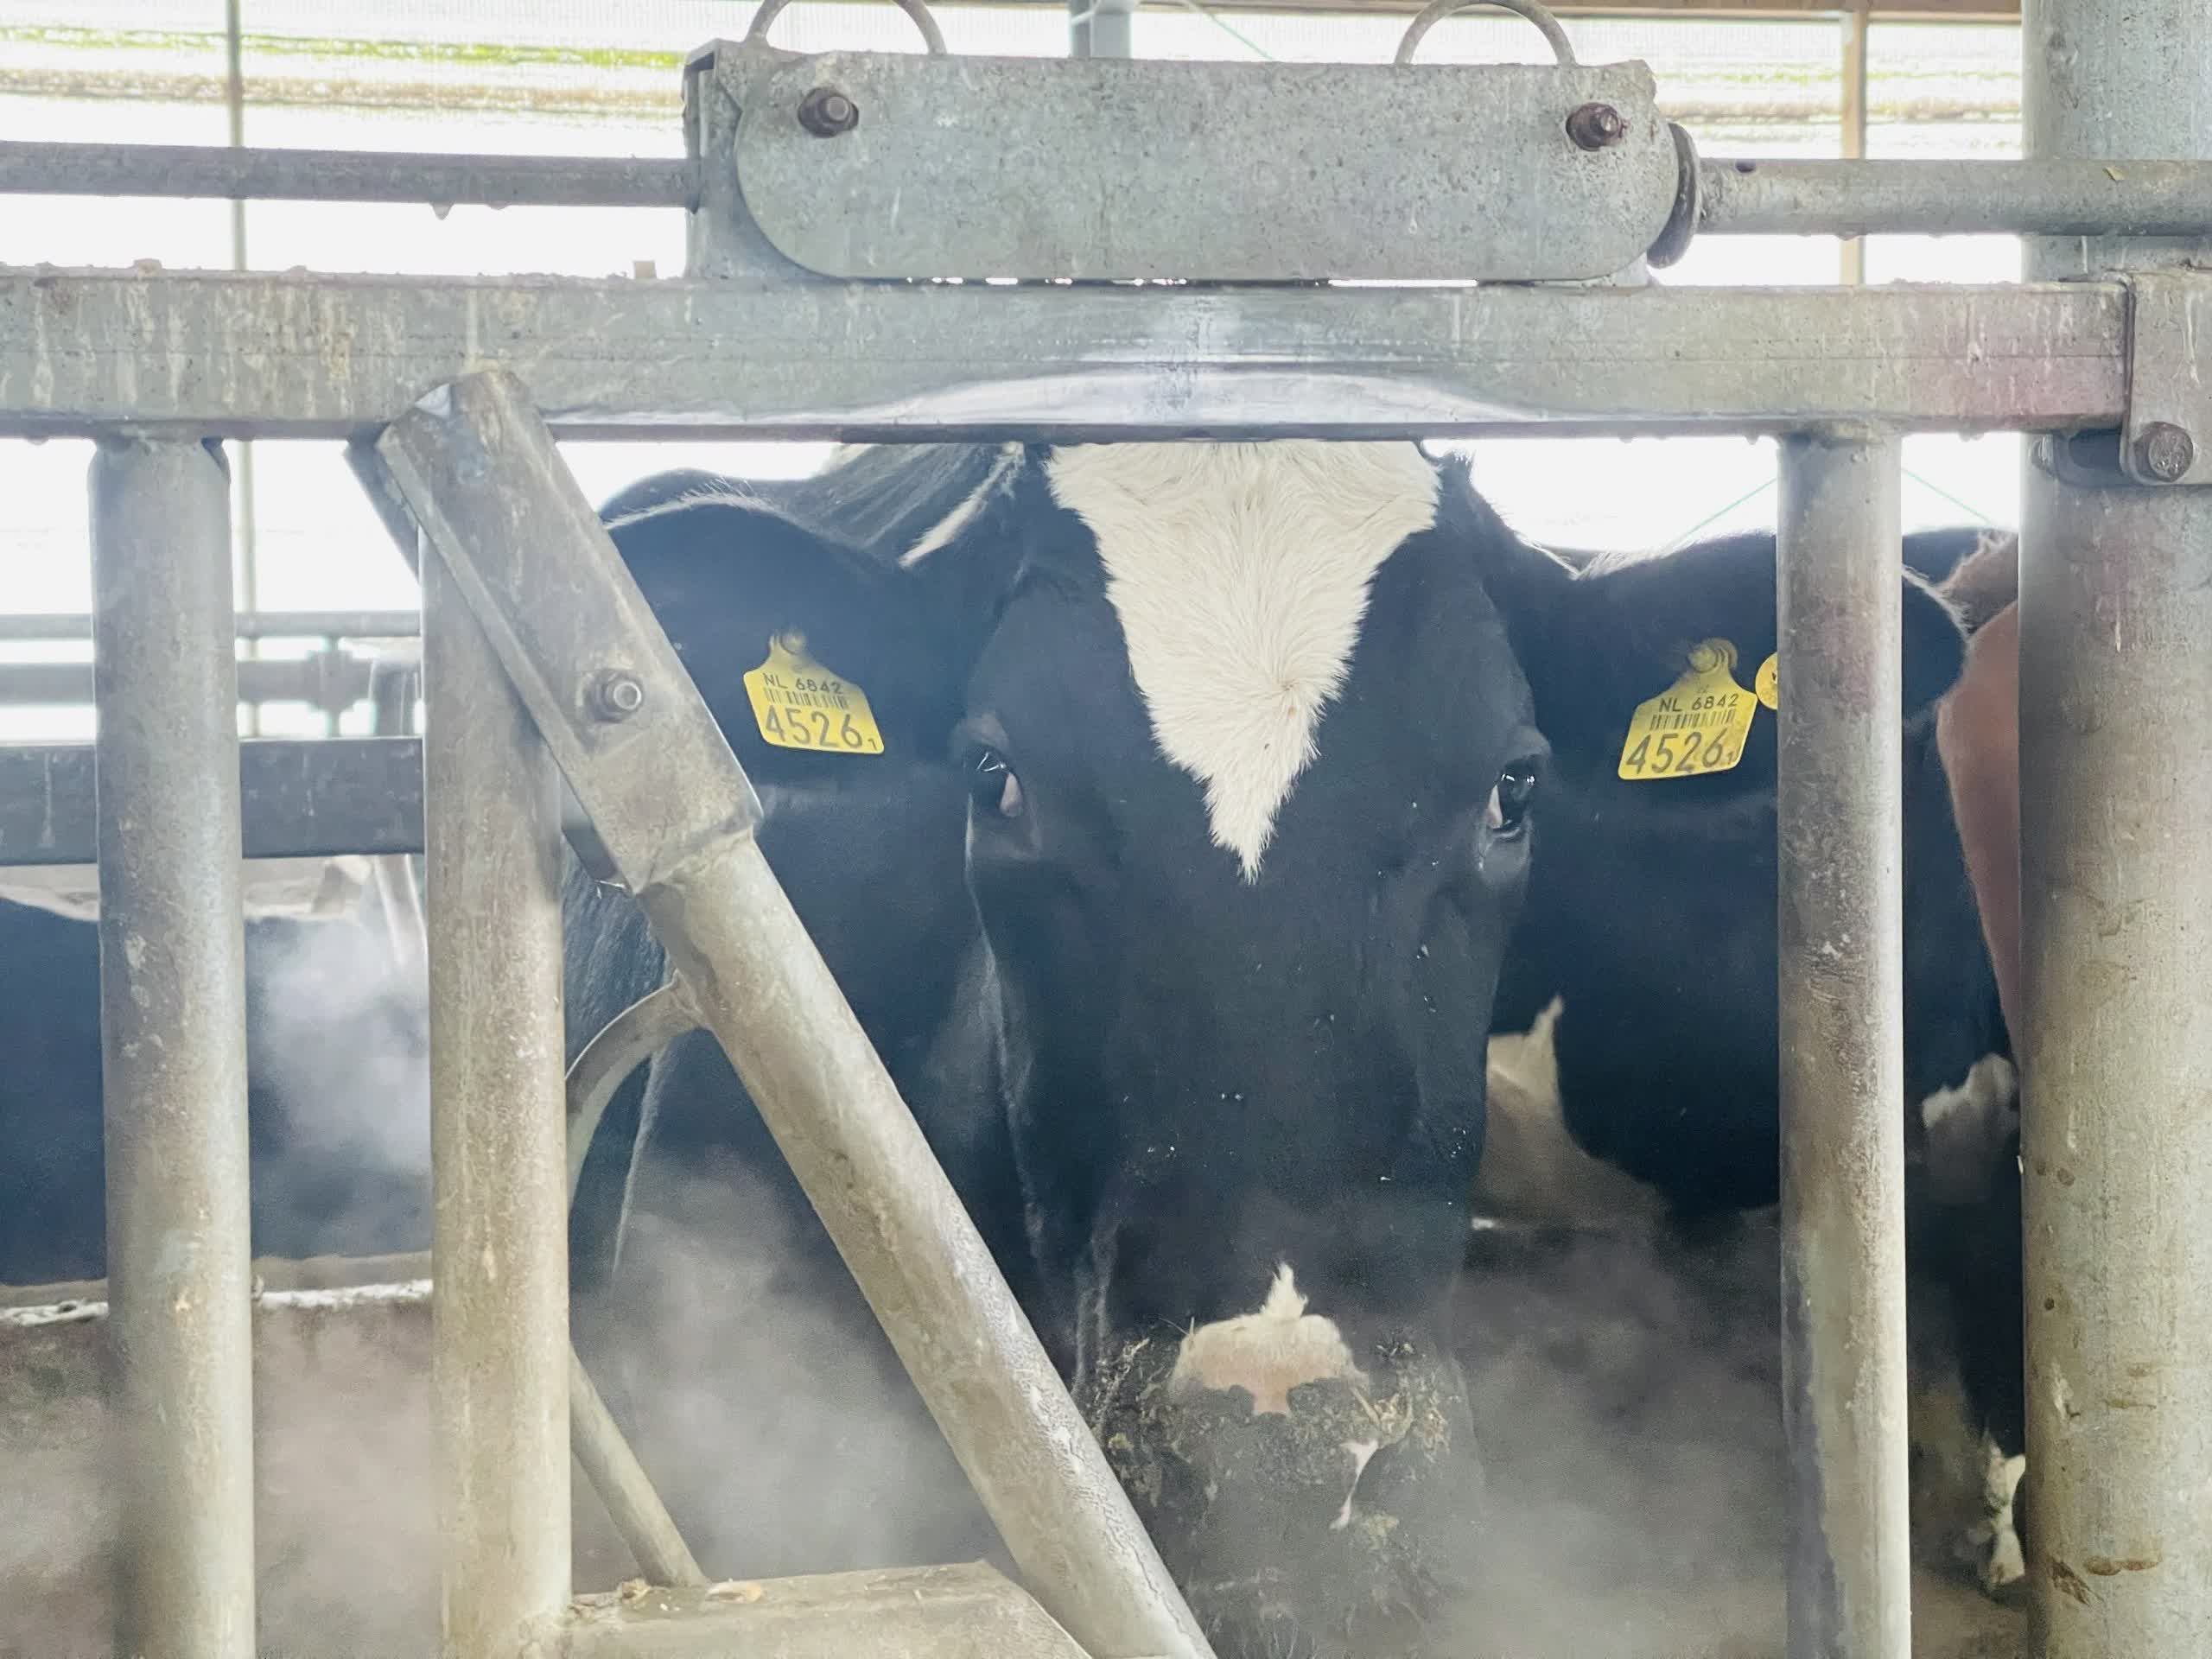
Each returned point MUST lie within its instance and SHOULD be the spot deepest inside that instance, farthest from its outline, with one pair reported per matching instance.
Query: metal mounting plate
(2167, 436)
(1096, 170)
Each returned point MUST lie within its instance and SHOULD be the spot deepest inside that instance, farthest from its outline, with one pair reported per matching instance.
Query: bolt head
(1595, 126)
(2164, 452)
(615, 694)
(825, 112)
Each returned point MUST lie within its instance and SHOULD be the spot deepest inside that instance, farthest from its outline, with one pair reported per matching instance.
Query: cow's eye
(992, 785)
(1507, 815)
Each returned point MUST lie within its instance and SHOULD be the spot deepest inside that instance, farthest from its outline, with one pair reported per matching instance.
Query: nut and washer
(2164, 452)
(614, 695)
(1595, 126)
(825, 112)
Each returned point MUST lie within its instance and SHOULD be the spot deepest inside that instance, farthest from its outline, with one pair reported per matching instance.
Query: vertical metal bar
(1100, 29)
(2116, 925)
(173, 1047)
(1842, 997)
(499, 1270)
(249, 548)
(1856, 25)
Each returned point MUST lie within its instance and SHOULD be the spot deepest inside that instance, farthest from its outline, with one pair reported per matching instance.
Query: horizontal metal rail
(215, 171)
(1952, 198)
(313, 798)
(255, 355)
(329, 680)
(249, 625)
(1824, 198)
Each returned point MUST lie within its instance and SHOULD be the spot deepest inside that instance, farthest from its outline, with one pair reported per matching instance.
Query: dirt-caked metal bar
(265, 355)
(217, 171)
(1841, 820)
(172, 1049)
(2116, 915)
(481, 475)
(499, 1236)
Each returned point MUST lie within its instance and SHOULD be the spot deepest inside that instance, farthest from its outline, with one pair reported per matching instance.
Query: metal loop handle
(925, 20)
(1437, 11)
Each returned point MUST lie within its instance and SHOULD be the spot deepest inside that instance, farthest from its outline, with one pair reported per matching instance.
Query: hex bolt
(1595, 126)
(614, 695)
(825, 112)
(2166, 452)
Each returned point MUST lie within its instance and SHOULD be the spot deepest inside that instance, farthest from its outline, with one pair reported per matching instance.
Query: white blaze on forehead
(1266, 1353)
(1240, 573)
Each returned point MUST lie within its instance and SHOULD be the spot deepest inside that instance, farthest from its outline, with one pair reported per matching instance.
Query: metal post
(1100, 29)
(1856, 22)
(1842, 999)
(2116, 921)
(500, 1300)
(173, 1047)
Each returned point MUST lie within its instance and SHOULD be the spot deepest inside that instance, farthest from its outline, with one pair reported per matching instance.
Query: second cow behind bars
(1193, 786)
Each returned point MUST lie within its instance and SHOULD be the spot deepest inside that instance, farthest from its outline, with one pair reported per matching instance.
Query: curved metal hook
(624, 1044)
(1437, 11)
(933, 36)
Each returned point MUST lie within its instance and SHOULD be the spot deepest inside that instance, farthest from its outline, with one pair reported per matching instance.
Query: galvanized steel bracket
(864, 164)
(2167, 437)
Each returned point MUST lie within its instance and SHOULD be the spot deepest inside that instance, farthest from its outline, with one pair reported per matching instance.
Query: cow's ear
(849, 657)
(1597, 641)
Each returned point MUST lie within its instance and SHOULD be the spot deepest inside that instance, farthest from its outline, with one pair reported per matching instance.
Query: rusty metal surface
(500, 1232)
(1841, 817)
(481, 475)
(270, 355)
(1097, 170)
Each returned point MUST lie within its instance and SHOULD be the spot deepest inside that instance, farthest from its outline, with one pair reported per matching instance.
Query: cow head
(1252, 776)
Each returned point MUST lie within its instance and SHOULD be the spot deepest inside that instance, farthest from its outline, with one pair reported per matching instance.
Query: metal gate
(831, 197)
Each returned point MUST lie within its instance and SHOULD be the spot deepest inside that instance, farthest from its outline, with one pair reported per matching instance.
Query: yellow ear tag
(799, 704)
(1696, 724)
(1768, 687)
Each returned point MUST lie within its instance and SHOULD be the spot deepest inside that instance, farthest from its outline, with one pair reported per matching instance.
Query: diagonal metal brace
(479, 472)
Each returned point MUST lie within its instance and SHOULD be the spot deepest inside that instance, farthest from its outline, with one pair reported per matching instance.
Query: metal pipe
(334, 680)
(1840, 798)
(395, 684)
(173, 1048)
(1856, 26)
(2042, 196)
(2116, 921)
(1101, 28)
(499, 1243)
(482, 476)
(620, 1481)
(30, 168)
(247, 625)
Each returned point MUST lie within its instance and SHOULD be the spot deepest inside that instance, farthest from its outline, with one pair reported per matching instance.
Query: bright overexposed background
(549, 77)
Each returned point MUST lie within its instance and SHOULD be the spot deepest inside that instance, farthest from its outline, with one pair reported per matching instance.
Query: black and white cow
(337, 1098)
(1639, 998)
(1205, 815)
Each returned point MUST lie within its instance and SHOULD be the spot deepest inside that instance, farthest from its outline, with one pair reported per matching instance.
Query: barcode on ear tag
(1695, 727)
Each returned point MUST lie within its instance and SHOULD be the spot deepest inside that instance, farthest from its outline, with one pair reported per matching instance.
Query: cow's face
(1251, 772)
